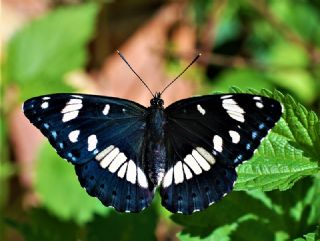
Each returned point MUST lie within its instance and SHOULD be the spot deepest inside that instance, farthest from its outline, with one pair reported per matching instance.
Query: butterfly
(123, 151)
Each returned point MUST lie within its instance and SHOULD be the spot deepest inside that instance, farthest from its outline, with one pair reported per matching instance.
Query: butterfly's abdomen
(155, 151)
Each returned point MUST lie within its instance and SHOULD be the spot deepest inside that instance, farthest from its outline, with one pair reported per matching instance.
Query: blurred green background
(68, 46)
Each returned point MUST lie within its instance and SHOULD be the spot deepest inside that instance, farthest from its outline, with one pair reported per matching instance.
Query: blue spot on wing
(254, 135)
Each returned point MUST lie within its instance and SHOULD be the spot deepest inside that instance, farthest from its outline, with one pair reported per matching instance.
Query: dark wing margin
(207, 138)
(104, 138)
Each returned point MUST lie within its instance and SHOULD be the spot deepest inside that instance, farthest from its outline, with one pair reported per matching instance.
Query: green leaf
(6, 171)
(284, 54)
(220, 234)
(124, 226)
(313, 199)
(60, 191)
(43, 226)
(236, 211)
(287, 154)
(6, 167)
(243, 79)
(40, 55)
(225, 212)
(289, 71)
(307, 237)
(240, 213)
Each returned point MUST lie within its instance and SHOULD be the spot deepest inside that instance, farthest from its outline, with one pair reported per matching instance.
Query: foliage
(124, 227)
(60, 190)
(48, 48)
(264, 45)
(273, 215)
(43, 226)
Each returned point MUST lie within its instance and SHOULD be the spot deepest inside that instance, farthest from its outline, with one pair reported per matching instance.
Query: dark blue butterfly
(123, 151)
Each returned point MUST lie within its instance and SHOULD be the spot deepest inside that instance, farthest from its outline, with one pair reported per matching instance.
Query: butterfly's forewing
(104, 138)
(207, 137)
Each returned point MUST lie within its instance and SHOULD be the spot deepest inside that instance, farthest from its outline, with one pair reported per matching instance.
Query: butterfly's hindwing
(207, 137)
(114, 189)
(104, 138)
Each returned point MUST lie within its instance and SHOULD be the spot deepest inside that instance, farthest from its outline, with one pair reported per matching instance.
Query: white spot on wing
(193, 164)
(233, 109)
(69, 116)
(259, 105)
(73, 136)
(122, 170)
(206, 155)
(201, 110)
(131, 172)
(187, 171)
(92, 142)
(74, 101)
(234, 136)
(142, 179)
(109, 157)
(201, 161)
(257, 98)
(178, 173)
(70, 108)
(117, 162)
(225, 96)
(195, 210)
(106, 109)
(235, 115)
(46, 98)
(168, 177)
(217, 143)
(103, 153)
(77, 96)
(45, 105)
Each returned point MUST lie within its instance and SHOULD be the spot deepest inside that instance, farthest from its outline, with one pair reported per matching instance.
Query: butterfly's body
(155, 133)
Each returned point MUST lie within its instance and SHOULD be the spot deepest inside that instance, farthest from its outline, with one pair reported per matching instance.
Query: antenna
(124, 59)
(192, 62)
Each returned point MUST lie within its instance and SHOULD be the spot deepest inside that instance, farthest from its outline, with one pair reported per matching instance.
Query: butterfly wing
(104, 138)
(207, 138)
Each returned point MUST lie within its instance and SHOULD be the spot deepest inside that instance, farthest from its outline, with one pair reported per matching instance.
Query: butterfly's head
(156, 101)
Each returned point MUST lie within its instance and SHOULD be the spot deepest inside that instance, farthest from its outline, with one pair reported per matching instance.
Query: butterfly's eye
(156, 102)
(160, 102)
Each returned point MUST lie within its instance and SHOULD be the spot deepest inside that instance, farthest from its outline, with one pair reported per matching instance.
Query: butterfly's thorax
(155, 151)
